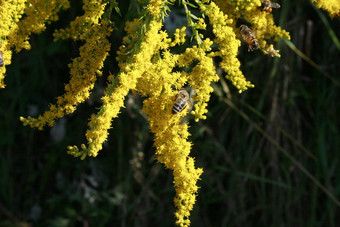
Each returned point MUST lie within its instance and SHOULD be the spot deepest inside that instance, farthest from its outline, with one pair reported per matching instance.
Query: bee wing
(275, 5)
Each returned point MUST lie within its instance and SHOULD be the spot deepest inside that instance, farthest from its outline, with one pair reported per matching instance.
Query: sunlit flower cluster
(150, 65)
(331, 6)
(10, 13)
(85, 68)
(15, 30)
(37, 14)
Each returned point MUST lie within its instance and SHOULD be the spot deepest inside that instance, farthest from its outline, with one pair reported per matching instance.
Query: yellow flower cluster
(331, 6)
(171, 136)
(10, 13)
(131, 45)
(80, 28)
(37, 14)
(179, 36)
(149, 67)
(154, 8)
(200, 77)
(14, 33)
(84, 69)
(262, 22)
(228, 45)
(113, 98)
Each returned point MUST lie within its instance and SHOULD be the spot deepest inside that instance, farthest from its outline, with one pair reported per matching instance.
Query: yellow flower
(154, 8)
(201, 24)
(331, 6)
(38, 13)
(84, 71)
(10, 13)
(172, 146)
(15, 32)
(180, 35)
(150, 65)
(114, 96)
(79, 28)
(228, 45)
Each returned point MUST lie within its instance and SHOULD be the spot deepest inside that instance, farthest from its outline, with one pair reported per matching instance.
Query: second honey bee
(182, 101)
(249, 36)
(268, 6)
(2, 62)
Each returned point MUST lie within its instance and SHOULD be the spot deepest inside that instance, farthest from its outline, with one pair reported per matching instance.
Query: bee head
(242, 27)
(183, 93)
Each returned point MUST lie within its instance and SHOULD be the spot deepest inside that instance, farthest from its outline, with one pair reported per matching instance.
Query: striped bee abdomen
(178, 107)
(181, 102)
(1, 60)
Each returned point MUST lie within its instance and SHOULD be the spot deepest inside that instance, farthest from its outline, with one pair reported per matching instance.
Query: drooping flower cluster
(148, 66)
(331, 6)
(15, 31)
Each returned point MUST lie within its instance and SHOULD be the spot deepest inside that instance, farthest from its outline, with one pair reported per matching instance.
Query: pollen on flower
(151, 65)
(331, 6)
(201, 24)
(180, 35)
(154, 8)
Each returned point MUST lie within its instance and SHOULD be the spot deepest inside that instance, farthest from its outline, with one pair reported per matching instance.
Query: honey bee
(268, 5)
(182, 101)
(249, 36)
(2, 62)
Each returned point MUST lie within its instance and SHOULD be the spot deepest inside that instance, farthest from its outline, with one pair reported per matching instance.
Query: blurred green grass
(248, 178)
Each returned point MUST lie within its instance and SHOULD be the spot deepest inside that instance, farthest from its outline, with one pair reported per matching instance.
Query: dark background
(264, 152)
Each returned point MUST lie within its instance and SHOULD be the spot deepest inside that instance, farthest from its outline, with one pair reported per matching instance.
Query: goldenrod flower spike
(6, 57)
(114, 96)
(172, 146)
(84, 69)
(228, 45)
(262, 22)
(15, 33)
(149, 67)
(331, 6)
(37, 14)
(79, 28)
(10, 13)
(179, 37)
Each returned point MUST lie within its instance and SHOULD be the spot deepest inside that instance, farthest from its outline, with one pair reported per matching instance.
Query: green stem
(191, 23)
